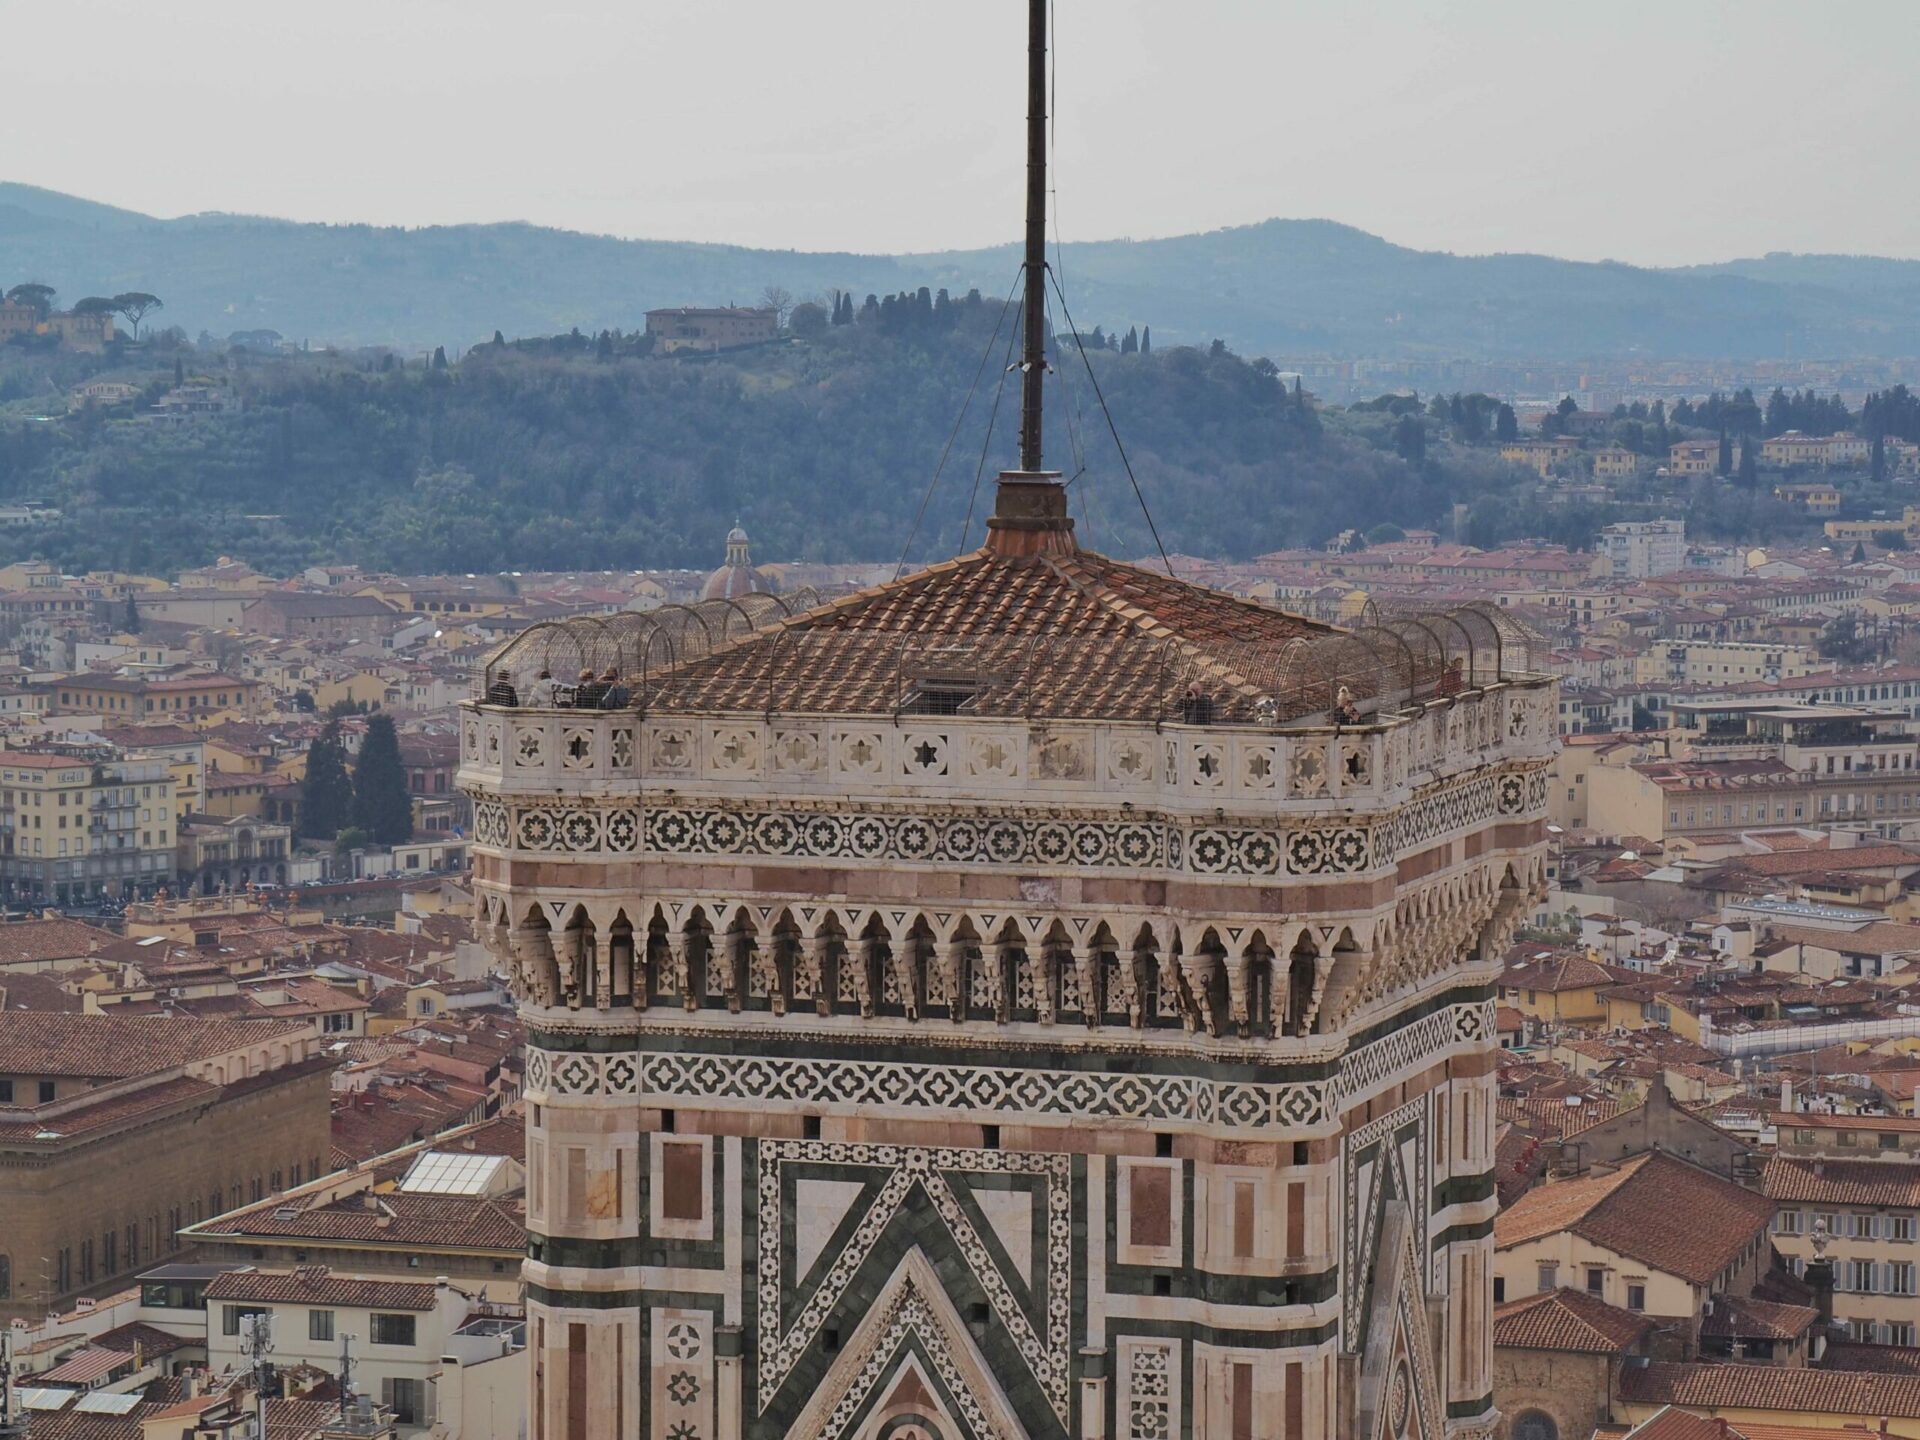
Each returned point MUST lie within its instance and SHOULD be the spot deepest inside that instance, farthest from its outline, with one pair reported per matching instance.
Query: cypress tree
(133, 611)
(1726, 452)
(326, 795)
(1146, 339)
(1879, 471)
(380, 803)
(1749, 464)
(1130, 344)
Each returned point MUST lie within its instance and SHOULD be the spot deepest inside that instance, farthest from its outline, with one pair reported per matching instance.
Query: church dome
(736, 577)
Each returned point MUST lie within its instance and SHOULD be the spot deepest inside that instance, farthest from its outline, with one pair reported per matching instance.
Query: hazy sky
(1659, 133)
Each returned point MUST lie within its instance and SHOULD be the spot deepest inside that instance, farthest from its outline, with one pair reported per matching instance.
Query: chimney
(1819, 1278)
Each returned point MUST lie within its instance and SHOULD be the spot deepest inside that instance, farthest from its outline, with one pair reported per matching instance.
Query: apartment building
(132, 699)
(400, 1329)
(1734, 662)
(85, 821)
(1865, 1214)
(1753, 761)
(1640, 549)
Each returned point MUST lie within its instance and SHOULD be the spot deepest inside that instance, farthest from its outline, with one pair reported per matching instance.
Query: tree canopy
(381, 806)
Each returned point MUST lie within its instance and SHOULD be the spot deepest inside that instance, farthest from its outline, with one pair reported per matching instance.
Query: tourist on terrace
(501, 692)
(541, 695)
(1345, 712)
(1451, 683)
(587, 695)
(619, 694)
(613, 695)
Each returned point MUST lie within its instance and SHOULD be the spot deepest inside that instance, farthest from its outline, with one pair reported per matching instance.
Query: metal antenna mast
(1033, 354)
(13, 1422)
(257, 1344)
(346, 1375)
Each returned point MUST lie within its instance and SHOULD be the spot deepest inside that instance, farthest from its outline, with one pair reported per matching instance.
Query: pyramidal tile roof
(1062, 633)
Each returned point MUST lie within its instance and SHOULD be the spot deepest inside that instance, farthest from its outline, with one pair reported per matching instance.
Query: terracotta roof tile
(399, 1219)
(315, 1285)
(29, 942)
(1117, 642)
(109, 1047)
(1566, 1319)
(1654, 1208)
(1771, 1387)
(1882, 1183)
(1749, 1317)
(1682, 1425)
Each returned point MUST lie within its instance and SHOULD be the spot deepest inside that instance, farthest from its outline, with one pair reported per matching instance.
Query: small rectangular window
(320, 1324)
(391, 1329)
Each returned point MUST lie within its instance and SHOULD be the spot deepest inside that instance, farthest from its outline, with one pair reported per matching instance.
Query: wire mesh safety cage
(1388, 661)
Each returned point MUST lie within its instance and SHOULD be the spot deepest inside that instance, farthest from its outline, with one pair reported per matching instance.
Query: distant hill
(1282, 286)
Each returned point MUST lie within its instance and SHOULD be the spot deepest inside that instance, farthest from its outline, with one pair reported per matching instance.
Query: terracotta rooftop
(1064, 633)
(106, 1047)
(1879, 1183)
(1655, 1208)
(1671, 1424)
(1751, 1318)
(443, 1221)
(29, 942)
(315, 1285)
(1566, 1319)
(1771, 1387)
(1558, 973)
(1860, 857)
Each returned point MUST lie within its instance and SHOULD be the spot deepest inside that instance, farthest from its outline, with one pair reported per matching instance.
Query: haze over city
(1648, 132)
(959, 721)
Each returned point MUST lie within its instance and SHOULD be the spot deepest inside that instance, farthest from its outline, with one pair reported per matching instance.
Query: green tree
(1749, 464)
(1726, 452)
(136, 305)
(326, 795)
(1842, 640)
(131, 620)
(380, 803)
(1146, 339)
(440, 357)
(93, 305)
(1878, 471)
(39, 296)
(1506, 427)
(808, 321)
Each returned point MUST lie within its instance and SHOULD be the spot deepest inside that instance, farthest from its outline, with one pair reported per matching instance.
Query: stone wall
(150, 1177)
(1572, 1390)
